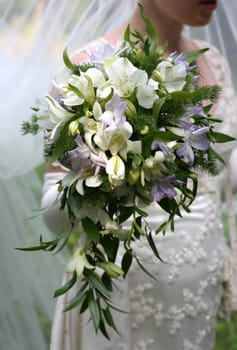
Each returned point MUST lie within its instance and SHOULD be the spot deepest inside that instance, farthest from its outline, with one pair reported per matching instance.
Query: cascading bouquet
(129, 127)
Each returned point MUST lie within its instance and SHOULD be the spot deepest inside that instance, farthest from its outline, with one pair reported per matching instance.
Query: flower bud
(111, 269)
(145, 130)
(73, 128)
(133, 176)
(131, 110)
(156, 75)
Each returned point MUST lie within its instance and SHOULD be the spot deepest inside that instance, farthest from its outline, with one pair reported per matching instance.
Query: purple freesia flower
(160, 145)
(163, 187)
(114, 115)
(181, 58)
(81, 159)
(196, 110)
(194, 138)
(98, 56)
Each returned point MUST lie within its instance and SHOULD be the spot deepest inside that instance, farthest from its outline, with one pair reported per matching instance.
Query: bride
(27, 282)
(180, 311)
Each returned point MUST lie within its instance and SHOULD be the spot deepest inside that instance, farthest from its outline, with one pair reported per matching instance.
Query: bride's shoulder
(212, 54)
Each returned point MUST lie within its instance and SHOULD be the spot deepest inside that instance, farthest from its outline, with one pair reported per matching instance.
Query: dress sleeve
(227, 103)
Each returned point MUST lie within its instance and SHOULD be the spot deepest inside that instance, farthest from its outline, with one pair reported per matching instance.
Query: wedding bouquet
(129, 127)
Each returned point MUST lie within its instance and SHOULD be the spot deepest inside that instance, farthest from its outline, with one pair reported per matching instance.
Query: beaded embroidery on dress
(179, 311)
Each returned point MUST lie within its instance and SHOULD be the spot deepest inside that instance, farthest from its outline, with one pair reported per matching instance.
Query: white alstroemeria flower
(146, 96)
(85, 89)
(90, 127)
(115, 169)
(96, 76)
(124, 77)
(90, 181)
(97, 110)
(173, 76)
(85, 84)
(56, 112)
(78, 262)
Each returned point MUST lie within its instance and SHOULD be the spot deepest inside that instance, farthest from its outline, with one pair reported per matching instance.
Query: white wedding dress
(179, 311)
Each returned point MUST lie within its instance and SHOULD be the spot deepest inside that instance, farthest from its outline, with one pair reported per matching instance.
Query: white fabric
(222, 33)
(179, 312)
(233, 169)
(54, 218)
(28, 279)
(32, 39)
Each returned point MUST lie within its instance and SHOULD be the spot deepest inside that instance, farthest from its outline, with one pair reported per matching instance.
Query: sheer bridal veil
(33, 34)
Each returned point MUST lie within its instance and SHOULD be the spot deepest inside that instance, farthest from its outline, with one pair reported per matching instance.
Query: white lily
(97, 110)
(78, 262)
(56, 112)
(90, 181)
(115, 169)
(146, 96)
(124, 77)
(173, 76)
(85, 89)
(96, 76)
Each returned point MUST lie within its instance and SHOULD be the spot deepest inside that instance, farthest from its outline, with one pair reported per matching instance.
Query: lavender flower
(160, 145)
(194, 138)
(101, 53)
(81, 159)
(114, 115)
(196, 110)
(163, 187)
(181, 58)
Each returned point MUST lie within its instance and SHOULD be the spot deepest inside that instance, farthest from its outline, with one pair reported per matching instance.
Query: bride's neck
(168, 31)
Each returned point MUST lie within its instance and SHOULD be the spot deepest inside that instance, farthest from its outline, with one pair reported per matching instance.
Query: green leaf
(153, 246)
(168, 204)
(110, 245)
(150, 29)
(109, 318)
(78, 299)
(47, 246)
(68, 63)
(193, 55)
(141, 212)
(107, 281)
(67, 286)
(145, 270)
(90, 229)
(158, 105)
(84, 303)
(126, 262)
(124, 213)
(94, 311)
(96, 282)
(127, 34)
(137, 226)
(75, 201)
(65, 142)
(103, 330)
(165, 136)
(162, 228)
(218, 137)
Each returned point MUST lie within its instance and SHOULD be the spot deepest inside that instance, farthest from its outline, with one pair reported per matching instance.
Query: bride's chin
(200, 20)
